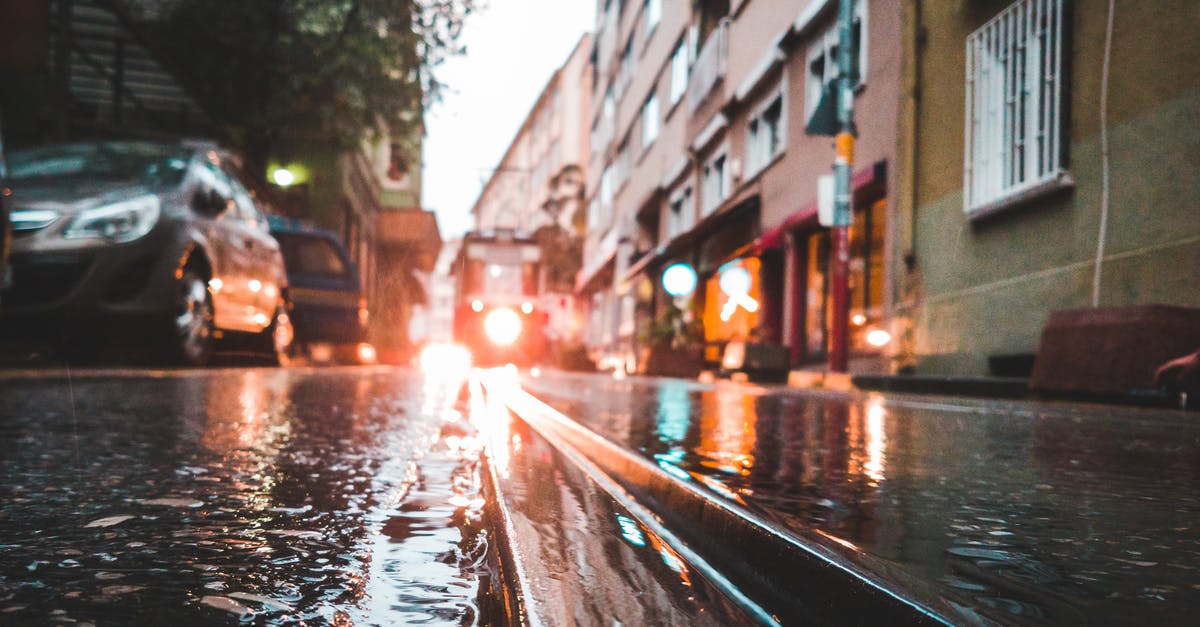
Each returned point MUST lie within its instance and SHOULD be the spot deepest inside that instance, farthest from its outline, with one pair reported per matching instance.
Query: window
(311, 255)
(622, 164)
(823, 61)
(765, 133)
(610, 104)
(653, 14)
(650, 121)
(679, 71)
(714, 184)
(1014, 116)
(680, 213)
(626, 72)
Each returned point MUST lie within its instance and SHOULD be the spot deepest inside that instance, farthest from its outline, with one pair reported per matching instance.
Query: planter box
(664, 361)
(1112, 350)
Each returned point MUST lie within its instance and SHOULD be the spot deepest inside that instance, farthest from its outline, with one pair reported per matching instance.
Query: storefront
(805, 246)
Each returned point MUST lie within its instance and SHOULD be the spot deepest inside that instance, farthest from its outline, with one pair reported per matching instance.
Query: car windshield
(148, 164)
(310, 255)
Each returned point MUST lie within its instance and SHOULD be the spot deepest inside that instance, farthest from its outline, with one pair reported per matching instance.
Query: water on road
(1024, 511)
(238, 496)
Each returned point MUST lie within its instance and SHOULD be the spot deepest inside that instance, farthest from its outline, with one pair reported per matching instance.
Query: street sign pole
(843, 161)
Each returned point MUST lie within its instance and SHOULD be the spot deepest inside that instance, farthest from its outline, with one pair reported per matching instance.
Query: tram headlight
(502, 326)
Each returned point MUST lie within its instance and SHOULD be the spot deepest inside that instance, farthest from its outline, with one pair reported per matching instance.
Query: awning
(414, 229)
(868, 180)
(703, 229)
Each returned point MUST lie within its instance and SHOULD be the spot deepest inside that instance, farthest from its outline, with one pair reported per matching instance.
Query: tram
(496, 309)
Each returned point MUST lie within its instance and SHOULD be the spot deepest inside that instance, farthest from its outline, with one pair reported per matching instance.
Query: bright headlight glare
(119, 222)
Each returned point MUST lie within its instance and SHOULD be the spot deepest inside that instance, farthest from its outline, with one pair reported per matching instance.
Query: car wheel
(191, 321)
(276, 339)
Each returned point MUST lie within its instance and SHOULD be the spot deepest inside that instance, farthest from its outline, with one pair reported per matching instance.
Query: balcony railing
(710, 66)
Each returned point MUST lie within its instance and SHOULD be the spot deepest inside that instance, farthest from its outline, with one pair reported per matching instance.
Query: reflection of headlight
(502, 326)
(120, 222)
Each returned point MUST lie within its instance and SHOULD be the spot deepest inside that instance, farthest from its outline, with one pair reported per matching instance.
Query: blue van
(329, 309)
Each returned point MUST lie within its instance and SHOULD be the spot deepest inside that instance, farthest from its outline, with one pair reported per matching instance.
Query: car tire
(276, 341)
(190, 342)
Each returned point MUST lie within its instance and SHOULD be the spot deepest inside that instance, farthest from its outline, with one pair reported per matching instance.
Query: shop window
(731, 305)
(867, 231)
(866, 272)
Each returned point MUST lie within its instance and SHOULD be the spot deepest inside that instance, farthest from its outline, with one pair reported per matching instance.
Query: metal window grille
(1013, 103)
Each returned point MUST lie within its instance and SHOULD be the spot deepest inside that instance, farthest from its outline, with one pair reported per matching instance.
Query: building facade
(539, 186)
(700, 155)
(539, 180)
(1053, 149)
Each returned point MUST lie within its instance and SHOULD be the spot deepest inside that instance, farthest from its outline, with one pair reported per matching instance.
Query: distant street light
(283, 177)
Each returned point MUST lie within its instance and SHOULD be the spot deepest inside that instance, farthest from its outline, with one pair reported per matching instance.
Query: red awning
(806, 217)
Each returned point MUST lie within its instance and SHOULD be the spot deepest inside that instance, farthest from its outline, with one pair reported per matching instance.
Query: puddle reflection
(269, 496)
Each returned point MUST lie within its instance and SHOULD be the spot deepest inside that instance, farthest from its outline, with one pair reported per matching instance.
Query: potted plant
(672, 345)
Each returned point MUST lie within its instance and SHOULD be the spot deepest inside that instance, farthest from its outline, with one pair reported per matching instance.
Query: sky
(512, 49)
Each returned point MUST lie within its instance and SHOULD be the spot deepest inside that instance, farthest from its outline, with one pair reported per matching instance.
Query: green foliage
(293, 72)
(562, 256)
(672, 327)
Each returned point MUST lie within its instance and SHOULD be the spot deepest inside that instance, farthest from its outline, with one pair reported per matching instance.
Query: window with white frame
(650, 116)
(714, 184)
(622, 164)
(1014, 103)
(823, 61)
(653, 13)
(680, 213)
(679, 71)
(610, 104)
(766, 133)
(625, 73)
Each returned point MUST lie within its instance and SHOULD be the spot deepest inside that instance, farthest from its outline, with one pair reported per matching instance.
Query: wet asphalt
(1014, 512)
(354, 496)
(238, 496)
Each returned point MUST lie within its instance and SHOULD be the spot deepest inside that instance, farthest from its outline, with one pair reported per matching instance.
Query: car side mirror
(208, 203)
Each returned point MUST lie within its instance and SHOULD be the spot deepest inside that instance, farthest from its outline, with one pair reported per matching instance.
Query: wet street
(237, 495)
(362, 496)
(1050, 513)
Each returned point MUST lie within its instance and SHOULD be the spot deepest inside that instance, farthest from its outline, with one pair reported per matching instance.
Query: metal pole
(843, 161)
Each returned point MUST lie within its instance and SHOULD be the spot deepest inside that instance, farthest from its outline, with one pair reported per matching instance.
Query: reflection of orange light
(727, 429)
(876, 440)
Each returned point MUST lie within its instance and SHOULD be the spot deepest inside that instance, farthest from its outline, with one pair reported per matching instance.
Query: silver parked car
(141, 240)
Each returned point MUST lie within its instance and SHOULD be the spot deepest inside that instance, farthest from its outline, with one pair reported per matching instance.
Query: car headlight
(119, 222)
